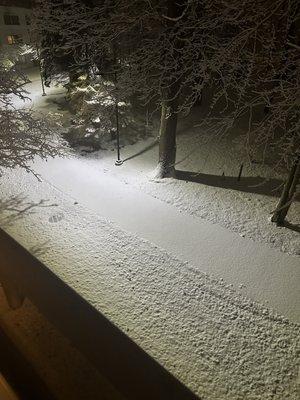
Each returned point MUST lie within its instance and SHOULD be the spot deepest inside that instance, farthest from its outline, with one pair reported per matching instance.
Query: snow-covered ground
(219, 343)
(202, 191)
(194, 309)
(243, 207)
(272, 277)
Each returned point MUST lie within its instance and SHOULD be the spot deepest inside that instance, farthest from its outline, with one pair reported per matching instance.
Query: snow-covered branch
(22, 135)
(241, 49)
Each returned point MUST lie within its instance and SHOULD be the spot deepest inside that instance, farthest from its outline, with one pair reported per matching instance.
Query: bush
(92, 101)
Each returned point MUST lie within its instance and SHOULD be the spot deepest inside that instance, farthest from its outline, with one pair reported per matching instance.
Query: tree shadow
(292, 227)
(249, 184)
(147, 148)
(40, 249)
(15, 207)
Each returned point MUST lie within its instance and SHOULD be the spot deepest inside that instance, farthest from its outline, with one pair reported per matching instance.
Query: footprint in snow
(56, 218)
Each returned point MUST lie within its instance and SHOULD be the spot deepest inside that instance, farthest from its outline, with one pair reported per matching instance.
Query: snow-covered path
(265, 275)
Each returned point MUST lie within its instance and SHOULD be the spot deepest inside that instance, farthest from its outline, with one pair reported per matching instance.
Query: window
(11, 19)
(27, 19)
(14, 39)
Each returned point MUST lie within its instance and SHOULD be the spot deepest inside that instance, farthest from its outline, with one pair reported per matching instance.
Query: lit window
(14, 39)
(11, 19)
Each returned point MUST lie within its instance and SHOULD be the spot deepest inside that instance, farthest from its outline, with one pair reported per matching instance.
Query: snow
(219, 343)
(195, 295)
(272, 277)
(243, 207)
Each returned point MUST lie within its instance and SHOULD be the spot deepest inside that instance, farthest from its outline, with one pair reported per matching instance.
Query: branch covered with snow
(23, 135)
(241, 49)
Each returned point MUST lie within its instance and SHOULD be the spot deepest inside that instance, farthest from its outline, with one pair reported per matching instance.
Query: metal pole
(240, 172)
(118, 161)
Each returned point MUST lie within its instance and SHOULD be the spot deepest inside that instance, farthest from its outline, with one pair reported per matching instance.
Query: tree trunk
(288, 193)
(169, 113)
(167, 140)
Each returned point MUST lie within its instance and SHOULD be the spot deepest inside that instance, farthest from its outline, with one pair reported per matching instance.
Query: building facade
(15, 17)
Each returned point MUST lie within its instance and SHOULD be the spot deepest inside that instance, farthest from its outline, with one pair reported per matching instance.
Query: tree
(168, 51)
(262, 73)
(288, 195)
(23, 136)
(159, 49)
